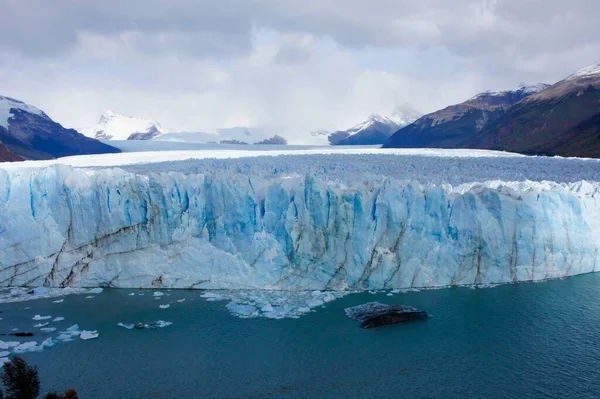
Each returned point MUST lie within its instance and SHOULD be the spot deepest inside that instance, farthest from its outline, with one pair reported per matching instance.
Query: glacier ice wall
(62, 226)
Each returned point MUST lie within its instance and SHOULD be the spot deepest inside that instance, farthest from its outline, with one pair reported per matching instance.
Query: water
(515, 341)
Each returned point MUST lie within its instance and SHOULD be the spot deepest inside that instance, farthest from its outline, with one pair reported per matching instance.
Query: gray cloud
(293, 63)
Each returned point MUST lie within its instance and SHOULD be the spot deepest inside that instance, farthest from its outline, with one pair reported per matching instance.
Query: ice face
(62, 226)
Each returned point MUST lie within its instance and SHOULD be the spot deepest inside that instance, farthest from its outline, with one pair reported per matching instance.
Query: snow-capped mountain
(27, 132)
(375, 130)
(114, 126)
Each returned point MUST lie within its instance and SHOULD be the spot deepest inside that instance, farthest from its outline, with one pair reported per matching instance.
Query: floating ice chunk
(85, 335)
(164, 306)
(74, 327)
(132, 294)
(9, 344)
(48, 342)
(158, 293)
(4, 360)
(241, 310)
(39, 291)
(25, 347)
(141, 294)
(38, 325)
(95, 291)
(389, 294)
(58, 301)
(181, 300)
(65, 337)
(37, 317)
(213, 296)
(58, 319)
(89, 297)
(162, 323)
(127, 326)
(267, 307)
(4, 354)
(48, 329)
(14, 329)
(314, 302)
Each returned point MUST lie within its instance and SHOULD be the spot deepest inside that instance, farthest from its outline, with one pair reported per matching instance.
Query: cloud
(296, 65)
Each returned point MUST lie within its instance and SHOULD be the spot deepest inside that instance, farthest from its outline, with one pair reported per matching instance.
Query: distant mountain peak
(115, 126)
(591, 71)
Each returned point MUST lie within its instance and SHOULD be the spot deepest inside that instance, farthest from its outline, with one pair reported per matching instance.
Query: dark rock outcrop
(375, 314)
(275, 140)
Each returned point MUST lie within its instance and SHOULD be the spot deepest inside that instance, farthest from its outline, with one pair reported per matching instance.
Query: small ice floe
(89, 297)
(132, 294)
(389, 294)
(48, 342)
(179, 300)
(9, 344)
(39, 291)
(95, 291)
(140, 326)
(85, 335)
(58, 301)
(48, 329)
(39, 325)
(27, 347)
(141, 294)
(4, 360)
(158, 293)
(164, 306)
(70, 333)
(213, 296)
(14, 329)
(58, 319)
(4, 354)
(37, 317)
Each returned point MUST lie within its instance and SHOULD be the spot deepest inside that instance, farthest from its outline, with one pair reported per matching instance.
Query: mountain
(375, 130)
(29, 133)
(453, 126)
(563, 119)
(114, 126)
(7, 155)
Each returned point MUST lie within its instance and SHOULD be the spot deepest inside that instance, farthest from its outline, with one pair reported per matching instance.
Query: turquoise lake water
(513, 341)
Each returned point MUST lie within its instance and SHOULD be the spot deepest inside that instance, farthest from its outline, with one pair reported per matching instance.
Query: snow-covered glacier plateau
(304, 221)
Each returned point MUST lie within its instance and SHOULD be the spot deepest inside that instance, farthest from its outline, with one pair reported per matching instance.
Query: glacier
(299, 222)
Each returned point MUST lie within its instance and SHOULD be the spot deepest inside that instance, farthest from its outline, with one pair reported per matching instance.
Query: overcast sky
(298, 65)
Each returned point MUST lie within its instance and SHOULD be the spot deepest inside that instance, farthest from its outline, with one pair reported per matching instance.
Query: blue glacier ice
(201, 225)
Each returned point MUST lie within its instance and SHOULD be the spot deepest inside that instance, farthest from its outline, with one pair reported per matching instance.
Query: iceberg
(335, 222)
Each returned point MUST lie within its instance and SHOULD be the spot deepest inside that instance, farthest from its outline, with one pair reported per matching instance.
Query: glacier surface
(300, 222)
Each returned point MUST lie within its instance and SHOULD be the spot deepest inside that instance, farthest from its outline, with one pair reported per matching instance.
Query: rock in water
(375, 314)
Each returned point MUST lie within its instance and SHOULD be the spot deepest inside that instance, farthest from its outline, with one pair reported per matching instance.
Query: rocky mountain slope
(453, 126)
(562, 120)
(29, 133)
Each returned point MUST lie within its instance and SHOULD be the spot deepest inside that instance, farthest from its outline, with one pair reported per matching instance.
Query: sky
(293, 66)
